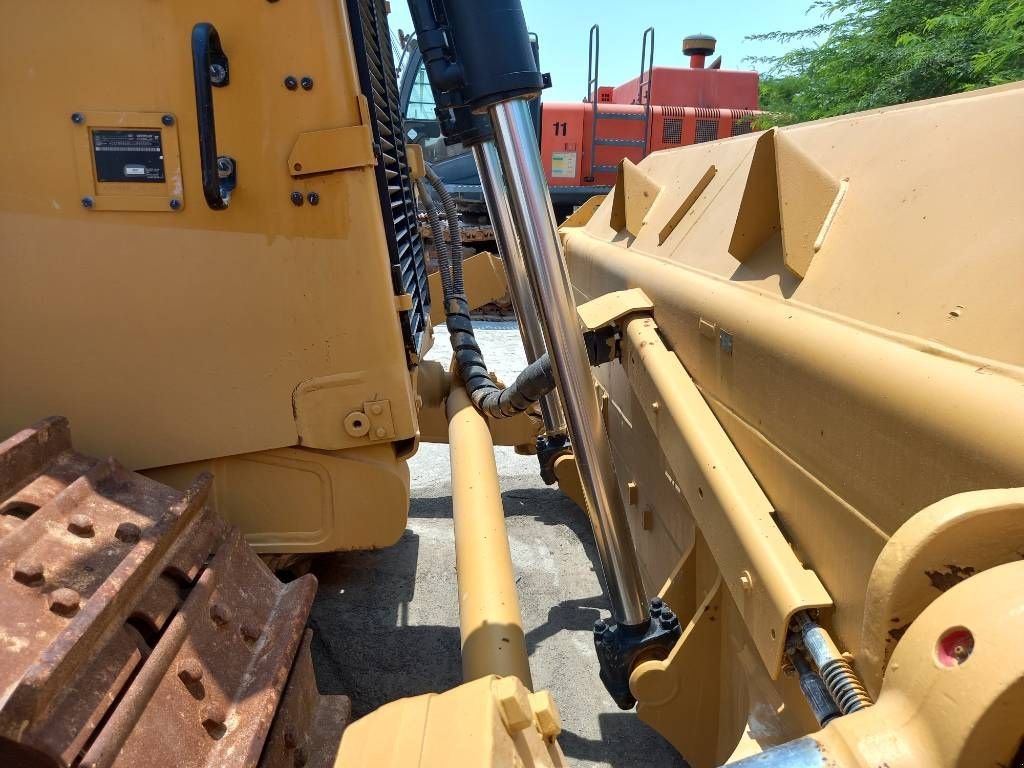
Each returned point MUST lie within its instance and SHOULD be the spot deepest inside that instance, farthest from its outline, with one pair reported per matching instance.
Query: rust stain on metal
(138, 628)
(953, 575)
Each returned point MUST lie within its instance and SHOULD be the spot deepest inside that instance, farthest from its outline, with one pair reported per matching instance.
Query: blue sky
(564, 25)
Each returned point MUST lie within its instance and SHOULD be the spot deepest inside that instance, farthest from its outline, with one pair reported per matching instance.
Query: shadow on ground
(386, 622)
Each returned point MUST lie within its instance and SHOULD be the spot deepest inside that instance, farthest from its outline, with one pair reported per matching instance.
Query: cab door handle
(210, 70)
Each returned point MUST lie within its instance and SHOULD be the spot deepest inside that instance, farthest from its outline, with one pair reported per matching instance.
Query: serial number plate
(130, 155)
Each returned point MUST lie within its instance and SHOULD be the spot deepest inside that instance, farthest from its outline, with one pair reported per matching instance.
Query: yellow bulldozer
(782, 374)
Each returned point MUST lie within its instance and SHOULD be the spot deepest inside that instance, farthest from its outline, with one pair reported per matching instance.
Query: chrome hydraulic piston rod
(496, 197)
(516, 140)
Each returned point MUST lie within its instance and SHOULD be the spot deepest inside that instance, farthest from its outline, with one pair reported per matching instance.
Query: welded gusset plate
(308, 727)
(136, 628)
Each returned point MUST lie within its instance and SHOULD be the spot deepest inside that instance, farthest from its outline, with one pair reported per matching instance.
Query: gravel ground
(387, 622)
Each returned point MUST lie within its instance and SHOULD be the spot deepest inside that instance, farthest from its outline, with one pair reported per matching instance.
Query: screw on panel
(77, 118)
(297, 198)
(167, 119)
(314, 198)
(129, 533)
(81, 525)
(64, 601)
(225, 166)
(87, 202)
(291, 83)
(29, 573)
(307, 83)
(175, 204)
(218, 73)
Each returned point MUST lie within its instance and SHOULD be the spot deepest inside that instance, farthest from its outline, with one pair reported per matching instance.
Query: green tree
(876, 53)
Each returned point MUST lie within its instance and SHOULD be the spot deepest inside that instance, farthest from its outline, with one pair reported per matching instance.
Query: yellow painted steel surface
(487, 723)
(243, 339)
(174, 336)
(843, 295)
(493, 642)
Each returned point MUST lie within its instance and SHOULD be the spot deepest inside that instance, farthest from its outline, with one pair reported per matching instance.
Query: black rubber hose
(451, 212)
(437, 233)
(535, 381)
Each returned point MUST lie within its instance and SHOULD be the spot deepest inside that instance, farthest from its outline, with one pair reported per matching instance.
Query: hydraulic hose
(535, 381)
(437, 233)
(451, 213)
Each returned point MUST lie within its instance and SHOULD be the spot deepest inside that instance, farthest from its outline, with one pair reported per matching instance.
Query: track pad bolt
(81, 525)
(190, 671)
(129, 533)
(220, 614)
(64, 601)
(513, 703)
(29, 572)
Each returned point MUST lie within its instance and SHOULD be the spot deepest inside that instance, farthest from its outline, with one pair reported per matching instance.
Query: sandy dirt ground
(387, 622)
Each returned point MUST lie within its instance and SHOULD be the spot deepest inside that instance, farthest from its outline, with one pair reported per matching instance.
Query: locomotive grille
(372, 41)
(672, 130)
(742, 122)
(707, 130)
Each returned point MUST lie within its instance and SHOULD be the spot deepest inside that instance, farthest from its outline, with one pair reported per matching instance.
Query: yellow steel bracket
(759, 569)
(611, 307)
(334, 149)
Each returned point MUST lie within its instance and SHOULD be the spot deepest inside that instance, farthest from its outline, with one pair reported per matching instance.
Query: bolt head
(668, 619)
(81, 525)
(167, 119)
(314, 198)
(291, 83)
(29, 573)
(77, 118)
(600, 627)
(175, 204)
(381, 432)
(656, 605)
(307, 83)
(129, 533)
(190, 671)
(297, 198)
(220, 614)
(218, 74)
(64, 601)
(215, 713)
(87, 202)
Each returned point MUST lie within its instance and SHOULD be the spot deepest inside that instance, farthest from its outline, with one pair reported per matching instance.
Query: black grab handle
(210, 70)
